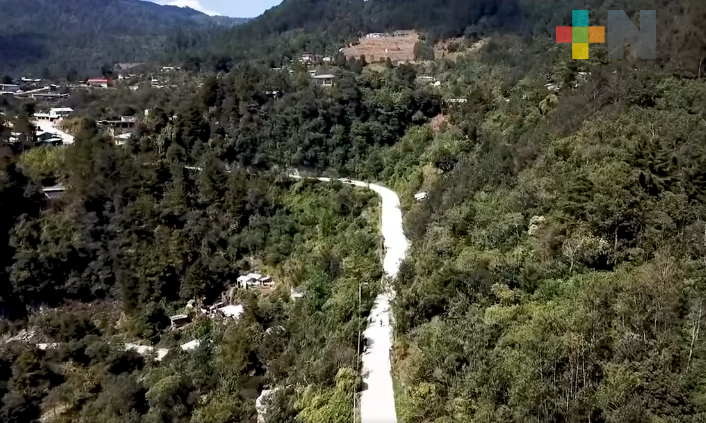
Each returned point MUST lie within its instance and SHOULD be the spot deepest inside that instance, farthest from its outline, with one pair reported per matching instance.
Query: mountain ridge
(86, 34)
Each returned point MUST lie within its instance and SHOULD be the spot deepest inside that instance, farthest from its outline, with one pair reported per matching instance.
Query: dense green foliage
(56, 37)
(556, 271)
(142, 234)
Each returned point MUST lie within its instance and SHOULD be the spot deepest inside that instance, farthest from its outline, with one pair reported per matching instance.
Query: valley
(370, 211)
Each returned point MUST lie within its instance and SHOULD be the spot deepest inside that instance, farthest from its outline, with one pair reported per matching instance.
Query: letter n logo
(643, 40)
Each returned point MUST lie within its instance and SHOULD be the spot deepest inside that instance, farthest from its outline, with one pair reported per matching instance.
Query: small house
(267, 281)
(308, 57)
(324, 80)
(60, 112)
(54, 192)
(244, 281)
(9, 88)
(421, 196)
(99, 82)
(255, 276)
(180, 320)
(54, 114)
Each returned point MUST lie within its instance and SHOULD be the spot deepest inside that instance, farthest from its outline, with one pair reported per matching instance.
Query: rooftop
(179, 317)
(233, 311)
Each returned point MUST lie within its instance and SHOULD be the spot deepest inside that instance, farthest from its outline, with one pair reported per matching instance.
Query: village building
(308, 57)
(54, 192)
(420, 196)
(180, 320)
(54, 114)
(255, 280)
(125, 122)
(9, 88)
(43, 96)
(99, 82)
(324, 80)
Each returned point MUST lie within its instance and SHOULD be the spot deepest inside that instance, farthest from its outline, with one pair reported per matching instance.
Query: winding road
(377, 401)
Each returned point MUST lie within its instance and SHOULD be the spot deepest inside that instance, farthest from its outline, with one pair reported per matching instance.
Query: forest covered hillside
(86, 34)
(324, 26)
(555, 210)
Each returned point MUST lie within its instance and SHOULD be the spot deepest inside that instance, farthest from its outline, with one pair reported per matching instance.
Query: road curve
(377, 401)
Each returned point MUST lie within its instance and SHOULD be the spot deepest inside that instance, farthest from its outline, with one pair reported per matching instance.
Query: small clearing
(398, 46)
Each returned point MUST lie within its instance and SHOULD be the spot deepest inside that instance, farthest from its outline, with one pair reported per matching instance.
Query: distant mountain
(84, 35)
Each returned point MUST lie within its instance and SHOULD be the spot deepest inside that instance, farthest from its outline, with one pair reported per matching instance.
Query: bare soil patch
(398, 46)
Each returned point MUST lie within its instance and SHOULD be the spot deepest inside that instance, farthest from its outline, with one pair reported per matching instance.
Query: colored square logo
(596, 34)
(579, 18)
(579, 34)
(579, 51)
(564, 34)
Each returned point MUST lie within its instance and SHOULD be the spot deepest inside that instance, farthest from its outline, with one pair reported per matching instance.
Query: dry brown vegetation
(398, 46)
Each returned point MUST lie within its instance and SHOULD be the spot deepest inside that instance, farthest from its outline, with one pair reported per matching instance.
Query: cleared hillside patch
(398, 46)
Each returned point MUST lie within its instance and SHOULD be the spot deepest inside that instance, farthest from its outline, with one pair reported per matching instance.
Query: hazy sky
(234, 8)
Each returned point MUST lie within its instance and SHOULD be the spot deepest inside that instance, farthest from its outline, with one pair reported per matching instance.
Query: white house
(54, 114)
(9, 88)
(244, 281)
(421, 196)
(325, 80)
(54, 192)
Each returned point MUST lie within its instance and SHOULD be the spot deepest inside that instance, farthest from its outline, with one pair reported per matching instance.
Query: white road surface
(377, 401)
(45, 126)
